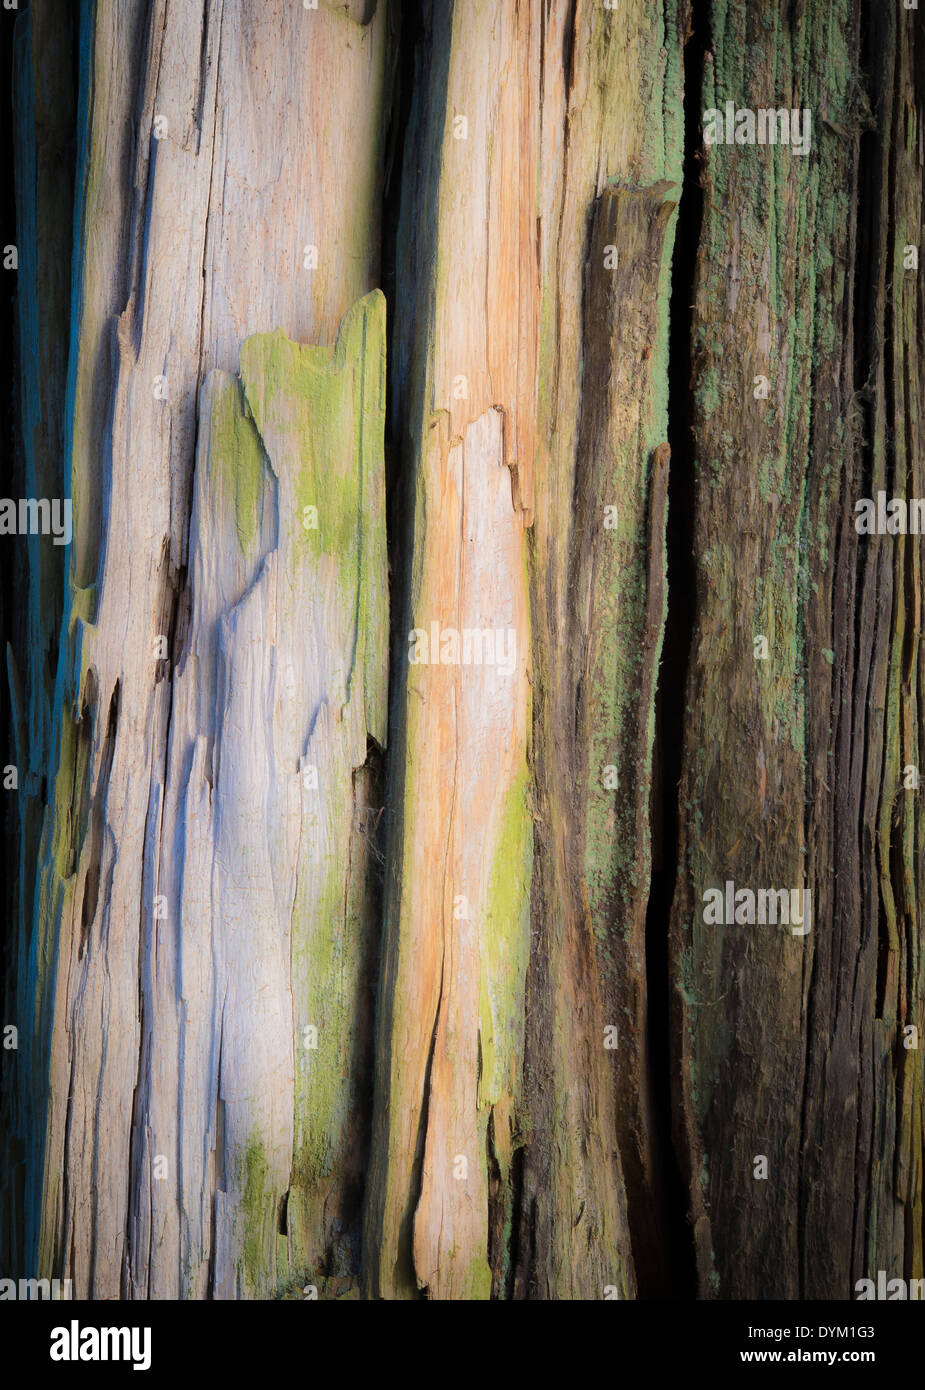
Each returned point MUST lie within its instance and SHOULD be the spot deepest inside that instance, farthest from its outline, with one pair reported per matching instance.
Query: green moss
(320, 412)
(504, 945)
(324, 964)
(257, 1211)
(236, 456)
(479, 1279)
(303, 405)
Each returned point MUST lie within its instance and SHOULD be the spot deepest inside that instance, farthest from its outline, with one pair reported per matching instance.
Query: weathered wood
(196, 893)
(456, 928)
(412, 1021)
(608, 153)
(461, 796)
(792, 1045)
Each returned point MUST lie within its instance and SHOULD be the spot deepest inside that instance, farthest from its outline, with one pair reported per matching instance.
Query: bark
(203, 884)
(793, 1047)
(344, 956)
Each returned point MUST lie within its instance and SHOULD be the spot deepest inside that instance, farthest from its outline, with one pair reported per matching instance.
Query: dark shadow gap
(678, 1278)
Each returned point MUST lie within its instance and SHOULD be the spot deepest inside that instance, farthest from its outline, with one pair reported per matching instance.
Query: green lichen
(236, 455)
(504, 944)
(257, 1212)
(320, 412)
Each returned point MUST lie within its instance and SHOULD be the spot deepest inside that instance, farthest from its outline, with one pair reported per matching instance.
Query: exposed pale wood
(178, 789)
(456, 931)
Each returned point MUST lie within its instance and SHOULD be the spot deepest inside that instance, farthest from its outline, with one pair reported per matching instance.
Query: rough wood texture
(607, 149)
(191, 887)
(451, 1082)
(443, 1015)
(793, 1046)
(456, 927)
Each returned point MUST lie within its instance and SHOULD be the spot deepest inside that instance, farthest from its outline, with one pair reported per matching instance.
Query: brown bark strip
(595, 703)
(793, 1048)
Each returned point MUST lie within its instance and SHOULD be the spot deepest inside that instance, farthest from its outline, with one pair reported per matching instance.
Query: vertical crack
(678, 1277)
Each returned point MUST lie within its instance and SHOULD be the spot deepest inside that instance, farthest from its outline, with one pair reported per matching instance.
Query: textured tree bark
(793, 1046)
(205, 882)
(360, 937)
(452, 1078)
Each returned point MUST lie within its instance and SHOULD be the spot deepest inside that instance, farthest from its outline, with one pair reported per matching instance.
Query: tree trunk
(795, 1046)
(464, 447)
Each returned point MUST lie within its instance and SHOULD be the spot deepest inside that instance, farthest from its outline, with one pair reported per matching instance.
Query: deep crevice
(517, 1203)
(868, 347)
(678, 1278)
(568, 50)
(92, 878)
(411, 47)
